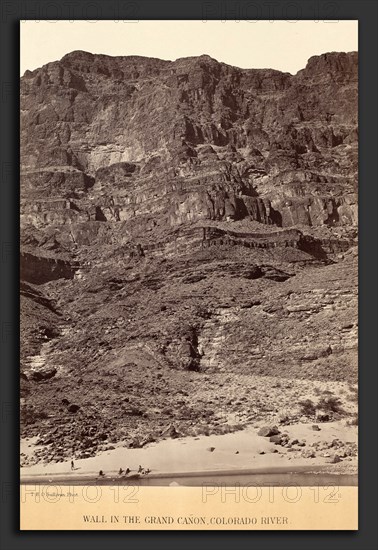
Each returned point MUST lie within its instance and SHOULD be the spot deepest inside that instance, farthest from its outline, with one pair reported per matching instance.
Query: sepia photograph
(189, 253)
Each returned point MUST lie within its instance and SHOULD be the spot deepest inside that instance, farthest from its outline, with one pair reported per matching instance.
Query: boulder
(335, 459)
(73, 408)
(276, 439)
(149, 439)
(42, 374)
(308, 453)
(323, 417)
(171, 432)
(268, 431)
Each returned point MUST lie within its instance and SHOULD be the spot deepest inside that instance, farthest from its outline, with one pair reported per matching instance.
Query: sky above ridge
(281, 45)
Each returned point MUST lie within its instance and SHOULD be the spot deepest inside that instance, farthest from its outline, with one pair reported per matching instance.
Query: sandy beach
(242, 454)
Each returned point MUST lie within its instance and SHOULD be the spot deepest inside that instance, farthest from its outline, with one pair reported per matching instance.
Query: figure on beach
(101, 473)
(142, 470)
(72, 465)
(120, 472)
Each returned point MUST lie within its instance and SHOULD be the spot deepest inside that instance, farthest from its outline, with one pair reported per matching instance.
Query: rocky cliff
(167, 143)
(183, 217)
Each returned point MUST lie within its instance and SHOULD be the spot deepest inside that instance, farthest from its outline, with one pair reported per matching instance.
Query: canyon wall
(159, 144)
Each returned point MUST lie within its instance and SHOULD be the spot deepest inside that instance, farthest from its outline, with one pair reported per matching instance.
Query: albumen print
(189, 283)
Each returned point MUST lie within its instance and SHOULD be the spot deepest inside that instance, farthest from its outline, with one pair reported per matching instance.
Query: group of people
(143, 470)
(121, 471)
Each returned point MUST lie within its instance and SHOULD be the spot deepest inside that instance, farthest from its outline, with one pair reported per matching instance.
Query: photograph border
(366, 13)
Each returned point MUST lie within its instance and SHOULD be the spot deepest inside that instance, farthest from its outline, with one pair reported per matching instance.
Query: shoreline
(279, 476)
(238, 454)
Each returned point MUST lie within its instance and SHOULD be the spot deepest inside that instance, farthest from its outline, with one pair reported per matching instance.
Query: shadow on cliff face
(88, 181)
(312, 246)
(276, 217)
(41, 269)
(99, 215)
